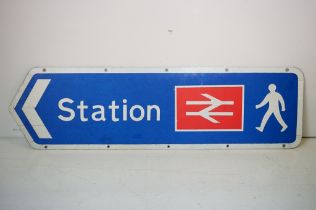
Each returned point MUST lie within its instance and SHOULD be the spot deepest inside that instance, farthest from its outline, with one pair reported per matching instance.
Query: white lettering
(155, 107)
(96, 113)
(66, 109)
(82, 107)
(132, 114)
(113, 107)
(124, 110)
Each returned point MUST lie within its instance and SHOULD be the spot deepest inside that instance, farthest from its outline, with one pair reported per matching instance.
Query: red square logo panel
(209, 108)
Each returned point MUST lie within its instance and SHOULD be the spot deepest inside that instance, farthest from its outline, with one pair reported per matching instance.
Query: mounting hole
(283, 145)
(168, 146)
(287, 69)
(227, 145)
(44, 70)
(105, 70)
(226, 70)
(45, 146)
(108, 146)
(166, 70)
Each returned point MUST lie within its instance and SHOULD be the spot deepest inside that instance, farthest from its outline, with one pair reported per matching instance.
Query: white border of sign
(109, 70)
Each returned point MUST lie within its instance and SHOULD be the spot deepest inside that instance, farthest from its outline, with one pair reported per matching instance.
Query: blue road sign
(160, 108)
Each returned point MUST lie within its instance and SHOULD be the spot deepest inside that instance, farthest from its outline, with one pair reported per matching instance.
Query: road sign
(144, 108)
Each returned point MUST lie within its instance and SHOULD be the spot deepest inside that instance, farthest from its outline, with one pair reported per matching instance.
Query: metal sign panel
(156, 108)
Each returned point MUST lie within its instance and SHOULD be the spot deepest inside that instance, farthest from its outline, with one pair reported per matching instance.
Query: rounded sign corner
(298, 72)
(11, 108)
(37, 70)
(296, 143)
(35, 145)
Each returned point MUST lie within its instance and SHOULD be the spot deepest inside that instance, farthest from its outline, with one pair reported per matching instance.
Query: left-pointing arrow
(30, 105)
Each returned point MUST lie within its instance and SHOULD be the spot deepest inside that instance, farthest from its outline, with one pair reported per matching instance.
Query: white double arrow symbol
(30, 105)
(207, 112)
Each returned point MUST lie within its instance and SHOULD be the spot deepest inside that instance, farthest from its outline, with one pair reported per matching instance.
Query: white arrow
(206, 113)
(30, 105)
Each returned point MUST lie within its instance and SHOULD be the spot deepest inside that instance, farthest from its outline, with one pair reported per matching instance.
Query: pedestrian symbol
(273, 98)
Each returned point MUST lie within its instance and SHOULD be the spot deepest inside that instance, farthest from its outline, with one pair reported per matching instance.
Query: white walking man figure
(273, 98)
